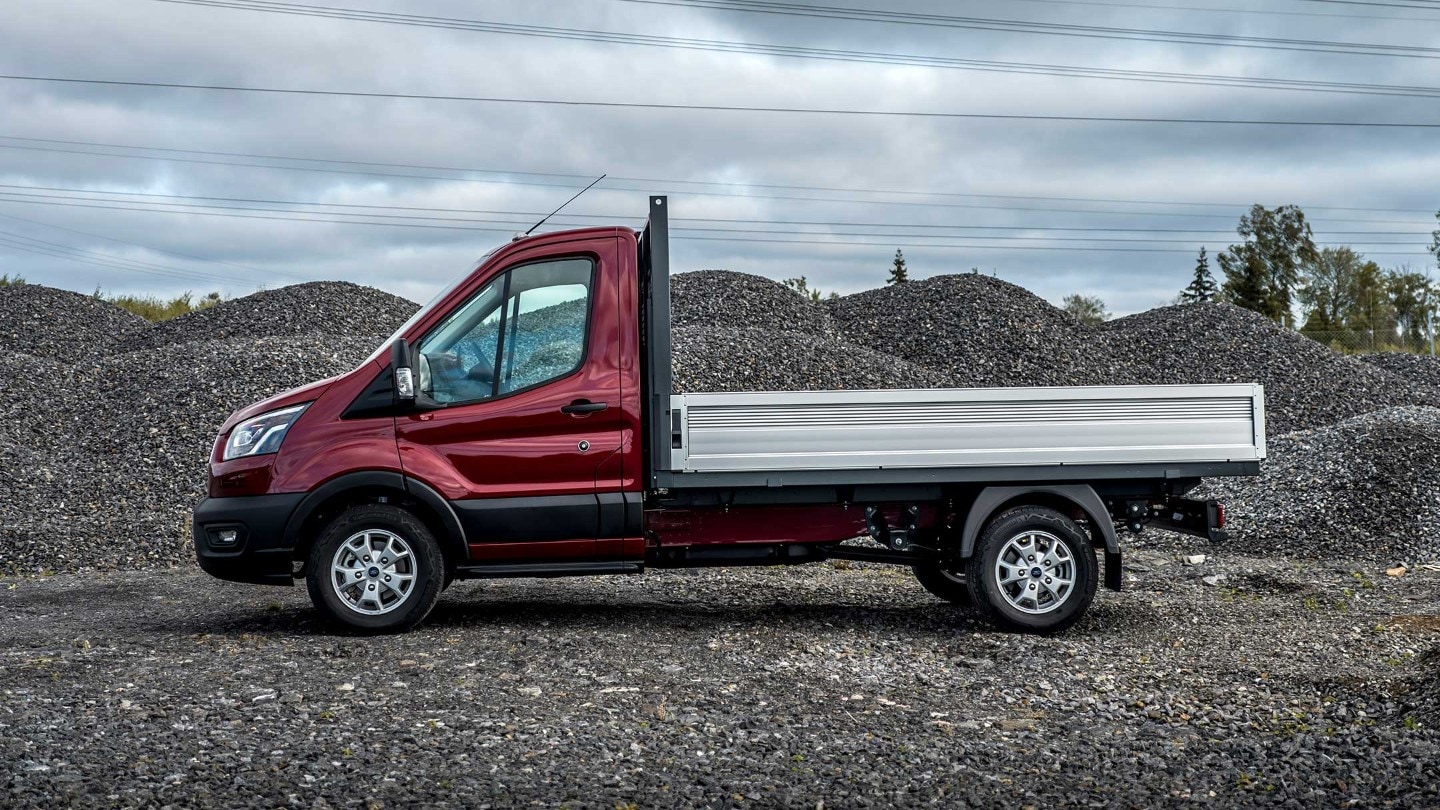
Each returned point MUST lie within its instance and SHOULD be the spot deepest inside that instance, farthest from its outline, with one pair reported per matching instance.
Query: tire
(380, 546)
(1033, 600)
(938, 579)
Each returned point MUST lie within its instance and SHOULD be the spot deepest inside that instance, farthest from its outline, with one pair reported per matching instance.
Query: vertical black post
(655, 334)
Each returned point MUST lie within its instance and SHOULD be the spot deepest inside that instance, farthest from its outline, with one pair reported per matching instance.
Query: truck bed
(1178, 426)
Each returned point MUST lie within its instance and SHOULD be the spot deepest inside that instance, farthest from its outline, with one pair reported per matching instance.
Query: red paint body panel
(521, 444)
(318, 447)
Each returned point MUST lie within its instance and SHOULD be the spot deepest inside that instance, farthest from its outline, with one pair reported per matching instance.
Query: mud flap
(1114, 570)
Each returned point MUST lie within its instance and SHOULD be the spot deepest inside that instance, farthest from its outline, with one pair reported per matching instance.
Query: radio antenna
(562, 205)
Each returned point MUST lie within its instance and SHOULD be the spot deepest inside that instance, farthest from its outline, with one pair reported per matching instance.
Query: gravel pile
(106, 459)
(1366, 487)
(761, 359)
(977, 331)
(710, 298)
(315, 308)
(1306, 384)
(1419, 369)
(46, 322)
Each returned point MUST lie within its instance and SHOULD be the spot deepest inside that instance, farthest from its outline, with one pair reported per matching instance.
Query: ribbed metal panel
(964, 427)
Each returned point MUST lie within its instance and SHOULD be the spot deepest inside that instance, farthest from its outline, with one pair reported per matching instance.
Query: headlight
(263, 434)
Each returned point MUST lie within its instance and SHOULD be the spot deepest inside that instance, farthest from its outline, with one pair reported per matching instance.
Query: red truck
(522, 424)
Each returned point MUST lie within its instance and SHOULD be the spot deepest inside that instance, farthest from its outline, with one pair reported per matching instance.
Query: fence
(1365, 341)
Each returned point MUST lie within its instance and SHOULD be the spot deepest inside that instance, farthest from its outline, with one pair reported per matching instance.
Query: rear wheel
(376, 568)
(946, 581)
(1033, 571)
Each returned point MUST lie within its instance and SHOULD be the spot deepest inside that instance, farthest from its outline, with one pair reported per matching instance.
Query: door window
(526, 327)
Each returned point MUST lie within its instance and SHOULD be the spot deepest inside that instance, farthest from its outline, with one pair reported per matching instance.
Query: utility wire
(605, 218)
(1009, 26)
(1378, 5)
(1227, 10)
(944, 62)
(827, 12)
(667, 182)
(1399, 125)
(151, 248)
(729, 234)
(33, 245)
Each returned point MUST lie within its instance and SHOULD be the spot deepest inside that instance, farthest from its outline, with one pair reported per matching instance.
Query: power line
(733, 108)
(1228, 10)
(650, 180)
(842, 55)
(682, 233)
(32, 245)
(1379, 5)
(1009, 26)
(150, 248)
(831, 12)
(524, 217)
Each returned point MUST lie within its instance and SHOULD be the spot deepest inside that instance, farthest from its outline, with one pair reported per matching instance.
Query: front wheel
(1033, 571)
(376, 568)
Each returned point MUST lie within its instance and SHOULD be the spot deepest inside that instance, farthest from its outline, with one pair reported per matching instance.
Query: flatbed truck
(523, 424)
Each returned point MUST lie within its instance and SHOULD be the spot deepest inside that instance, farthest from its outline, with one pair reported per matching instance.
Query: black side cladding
(654, 267)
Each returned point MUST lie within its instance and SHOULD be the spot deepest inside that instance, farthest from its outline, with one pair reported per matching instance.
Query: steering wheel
(483, 371)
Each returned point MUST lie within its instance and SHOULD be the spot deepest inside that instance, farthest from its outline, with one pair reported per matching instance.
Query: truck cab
(522, 424)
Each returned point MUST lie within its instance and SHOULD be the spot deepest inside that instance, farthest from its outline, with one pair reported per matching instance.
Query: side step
(573, 569)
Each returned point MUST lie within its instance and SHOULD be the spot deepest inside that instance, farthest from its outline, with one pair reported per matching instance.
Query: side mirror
(402, 360)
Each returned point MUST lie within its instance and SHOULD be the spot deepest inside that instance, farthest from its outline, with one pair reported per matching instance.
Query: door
(528, 369)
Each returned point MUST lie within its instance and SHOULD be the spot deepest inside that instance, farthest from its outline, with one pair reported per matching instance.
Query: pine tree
(898, 273)
(1202, 288)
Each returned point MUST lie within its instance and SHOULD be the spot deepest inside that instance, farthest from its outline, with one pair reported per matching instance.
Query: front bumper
(260, 553)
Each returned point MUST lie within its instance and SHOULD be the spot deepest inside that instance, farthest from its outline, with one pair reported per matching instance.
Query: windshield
(425, 310)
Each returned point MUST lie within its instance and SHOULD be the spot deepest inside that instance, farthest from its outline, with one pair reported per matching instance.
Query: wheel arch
(992, 501)
(375, 486)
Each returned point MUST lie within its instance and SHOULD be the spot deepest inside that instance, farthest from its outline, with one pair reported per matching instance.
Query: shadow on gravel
(668, 618)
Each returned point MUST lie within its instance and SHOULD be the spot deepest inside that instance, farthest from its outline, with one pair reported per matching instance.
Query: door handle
(582, 406)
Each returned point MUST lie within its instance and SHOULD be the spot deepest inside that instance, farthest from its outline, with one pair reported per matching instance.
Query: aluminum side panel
(890, 429)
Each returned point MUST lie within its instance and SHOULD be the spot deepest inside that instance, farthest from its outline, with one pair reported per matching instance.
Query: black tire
(939, 579)
(986, 588)
(427, 569)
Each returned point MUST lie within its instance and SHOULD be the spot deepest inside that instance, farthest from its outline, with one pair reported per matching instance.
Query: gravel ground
(1286, 686)
(46, 322)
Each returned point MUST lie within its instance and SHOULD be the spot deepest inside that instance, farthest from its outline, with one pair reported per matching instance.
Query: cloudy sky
(162, 190)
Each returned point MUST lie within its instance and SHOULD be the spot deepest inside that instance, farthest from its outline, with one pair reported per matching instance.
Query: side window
(526, 327)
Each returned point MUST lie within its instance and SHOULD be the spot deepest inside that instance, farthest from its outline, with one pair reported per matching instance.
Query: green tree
(1330, 288)
(1412, 300)
(8, 280)
(898, 273)
(1087, 309)
(1370, 310)
(800, 285)
(1202, 287)
(1263, 272)
(1435, 240)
